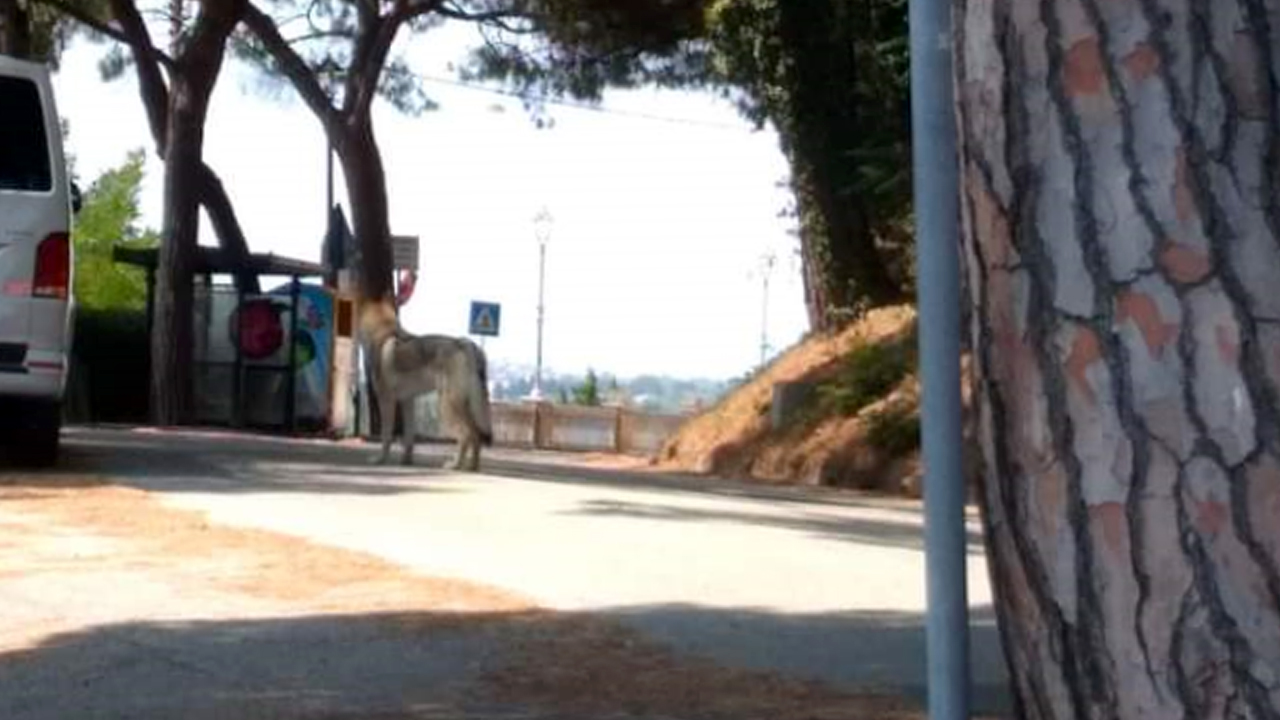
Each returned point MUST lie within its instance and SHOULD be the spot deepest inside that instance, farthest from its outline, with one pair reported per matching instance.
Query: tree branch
(151, 84)
(367, 10)
(411, 9)
(213, 196)
(373, 43)
(319, 35)
(201, 58)
(155, 100)
(103, 27)
(291, 64)
(455, 13)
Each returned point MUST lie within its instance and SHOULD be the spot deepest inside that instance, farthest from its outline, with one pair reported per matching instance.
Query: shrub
(112, 353)
(895, 430)
(869, 373)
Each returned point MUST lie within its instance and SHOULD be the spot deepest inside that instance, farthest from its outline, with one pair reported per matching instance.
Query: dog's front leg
(474, 462)
(410, 430)
(458, 455)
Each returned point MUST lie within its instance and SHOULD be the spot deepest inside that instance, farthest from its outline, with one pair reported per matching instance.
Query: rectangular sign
(404, 252)
(485, 318)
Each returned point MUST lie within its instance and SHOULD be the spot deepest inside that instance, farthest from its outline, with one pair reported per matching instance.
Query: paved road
(809, 583)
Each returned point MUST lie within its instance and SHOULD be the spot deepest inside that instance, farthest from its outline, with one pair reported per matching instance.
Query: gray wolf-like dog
(406, 366)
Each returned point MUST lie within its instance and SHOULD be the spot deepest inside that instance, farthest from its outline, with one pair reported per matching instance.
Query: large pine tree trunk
(172, 339)
(1121, 165)
(367, 193)
(367, 190)
(192, 83)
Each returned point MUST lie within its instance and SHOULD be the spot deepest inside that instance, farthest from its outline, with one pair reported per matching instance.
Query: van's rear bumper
(42, 376)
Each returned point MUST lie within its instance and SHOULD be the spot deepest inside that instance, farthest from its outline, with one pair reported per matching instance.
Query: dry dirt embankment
(858, 427)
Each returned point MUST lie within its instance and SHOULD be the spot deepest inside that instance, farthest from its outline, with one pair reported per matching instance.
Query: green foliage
(869, 373)
(328, 36)
(588, 393)
(894, 430)
(46, 31)
(573, 48)
(832, 77)
(109, 217)
(580, 47)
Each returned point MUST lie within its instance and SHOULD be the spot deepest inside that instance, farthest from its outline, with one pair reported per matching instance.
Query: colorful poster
(314, 343)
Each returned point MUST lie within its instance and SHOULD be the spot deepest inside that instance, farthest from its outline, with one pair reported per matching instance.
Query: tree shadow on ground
(233, 464)
(861, 530)
(227, 462)
(504, 666)
(177, 462)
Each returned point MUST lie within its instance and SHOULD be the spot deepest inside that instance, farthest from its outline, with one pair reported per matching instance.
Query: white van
(36, 304)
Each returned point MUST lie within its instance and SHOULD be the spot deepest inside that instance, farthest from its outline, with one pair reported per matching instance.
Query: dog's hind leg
(470, 451)
(460, 453)
(410, 430)
(455, 419)
(387, 409)
(467, 443)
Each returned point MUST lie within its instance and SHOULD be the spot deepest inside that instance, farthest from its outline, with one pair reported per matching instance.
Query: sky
(663, 207)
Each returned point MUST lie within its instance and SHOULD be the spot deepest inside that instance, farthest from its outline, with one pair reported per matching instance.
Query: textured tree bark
(814, 300)
(192, 84)
(367, 187)
(1121, 165)
(172, 334)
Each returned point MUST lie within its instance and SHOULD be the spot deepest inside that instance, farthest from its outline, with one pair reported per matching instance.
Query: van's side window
(24, 147)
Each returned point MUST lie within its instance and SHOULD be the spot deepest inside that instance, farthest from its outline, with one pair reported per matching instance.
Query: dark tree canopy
(34, 31)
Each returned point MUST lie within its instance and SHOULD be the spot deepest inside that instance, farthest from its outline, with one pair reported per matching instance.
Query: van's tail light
(53, 267)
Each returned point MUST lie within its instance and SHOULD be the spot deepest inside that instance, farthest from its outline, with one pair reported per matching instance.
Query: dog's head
(377, 320)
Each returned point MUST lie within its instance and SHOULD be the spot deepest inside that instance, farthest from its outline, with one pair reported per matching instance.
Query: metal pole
(938, 288)
(291, 378)
(328, 207)
(767, 269)
(542, 273)
(764, 323)
(237, 392)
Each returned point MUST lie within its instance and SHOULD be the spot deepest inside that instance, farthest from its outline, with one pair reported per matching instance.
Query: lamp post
(766, 268)
(542, 231)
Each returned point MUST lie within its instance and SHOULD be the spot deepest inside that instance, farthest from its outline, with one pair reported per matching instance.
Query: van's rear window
(24, 146)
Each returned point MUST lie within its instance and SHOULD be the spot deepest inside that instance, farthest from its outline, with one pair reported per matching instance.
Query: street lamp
(766, 269)
(542, 231)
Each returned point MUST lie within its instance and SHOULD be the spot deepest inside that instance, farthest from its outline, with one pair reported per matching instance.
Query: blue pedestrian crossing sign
(485, 317)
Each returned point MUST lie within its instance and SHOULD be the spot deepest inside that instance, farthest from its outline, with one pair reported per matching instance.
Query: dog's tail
(478, 395)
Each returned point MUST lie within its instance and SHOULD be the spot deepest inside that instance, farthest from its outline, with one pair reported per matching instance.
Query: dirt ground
(734, 438)
(78, 553)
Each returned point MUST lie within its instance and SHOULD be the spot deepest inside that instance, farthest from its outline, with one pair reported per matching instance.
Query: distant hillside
(655, 393)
